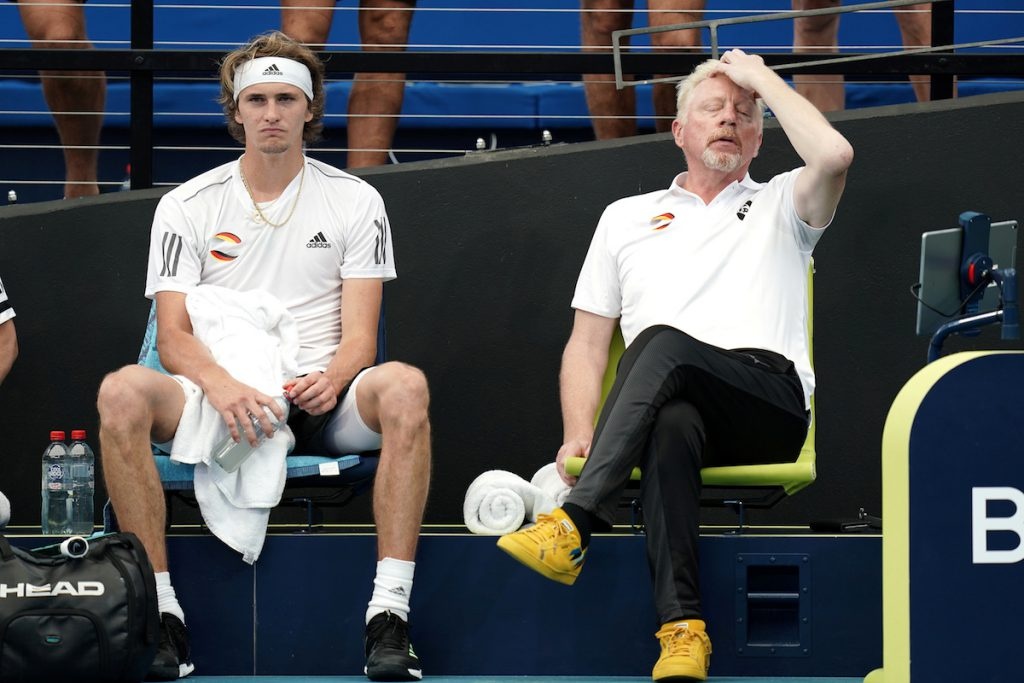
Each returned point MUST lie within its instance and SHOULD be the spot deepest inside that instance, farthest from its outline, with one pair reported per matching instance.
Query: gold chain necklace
(295, 203)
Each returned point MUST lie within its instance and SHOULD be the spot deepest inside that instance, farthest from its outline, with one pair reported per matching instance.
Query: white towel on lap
(500, 502)
(253, 337)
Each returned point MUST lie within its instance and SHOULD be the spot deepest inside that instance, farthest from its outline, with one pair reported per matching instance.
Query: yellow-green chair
(738, 486)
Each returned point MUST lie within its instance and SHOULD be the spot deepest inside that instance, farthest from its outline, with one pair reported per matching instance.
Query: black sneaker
(173, 655)
(389, 655)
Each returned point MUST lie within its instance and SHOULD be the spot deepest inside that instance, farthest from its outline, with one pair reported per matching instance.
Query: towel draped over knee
(252, 336)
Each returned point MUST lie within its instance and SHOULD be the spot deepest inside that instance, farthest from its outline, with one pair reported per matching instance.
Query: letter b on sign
(981, 524)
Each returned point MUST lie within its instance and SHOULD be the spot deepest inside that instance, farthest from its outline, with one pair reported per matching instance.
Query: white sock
(392, 588)
(166, 600)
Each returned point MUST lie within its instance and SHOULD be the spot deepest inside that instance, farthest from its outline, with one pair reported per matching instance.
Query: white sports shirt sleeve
(368, 250)
(6, 311)
(174, 261)
(598, 290)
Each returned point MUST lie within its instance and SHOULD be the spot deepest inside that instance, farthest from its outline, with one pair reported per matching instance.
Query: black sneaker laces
(391, 633)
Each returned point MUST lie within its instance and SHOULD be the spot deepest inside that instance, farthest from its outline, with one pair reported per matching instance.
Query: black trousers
(677, 405)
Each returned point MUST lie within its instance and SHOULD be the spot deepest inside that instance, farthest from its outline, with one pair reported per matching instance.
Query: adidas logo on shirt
(318, 242)
(272, 70)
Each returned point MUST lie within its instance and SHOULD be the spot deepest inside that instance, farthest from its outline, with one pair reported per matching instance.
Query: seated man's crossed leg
(677, 405)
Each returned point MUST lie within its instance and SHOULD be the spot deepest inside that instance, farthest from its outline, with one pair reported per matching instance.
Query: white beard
(721, 161)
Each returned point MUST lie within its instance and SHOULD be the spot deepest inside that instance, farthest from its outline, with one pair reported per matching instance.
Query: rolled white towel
(499, 502)
(5, 510)
(548, 481)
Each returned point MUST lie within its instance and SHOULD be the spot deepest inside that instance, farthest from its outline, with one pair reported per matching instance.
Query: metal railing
(142, 62)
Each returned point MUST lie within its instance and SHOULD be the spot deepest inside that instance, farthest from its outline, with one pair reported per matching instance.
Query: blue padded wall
(299, 610)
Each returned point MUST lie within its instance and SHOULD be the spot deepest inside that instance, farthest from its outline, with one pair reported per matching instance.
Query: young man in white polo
(300, 230)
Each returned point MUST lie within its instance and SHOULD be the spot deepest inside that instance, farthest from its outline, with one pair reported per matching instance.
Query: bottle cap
(56, 435)
(78, 435)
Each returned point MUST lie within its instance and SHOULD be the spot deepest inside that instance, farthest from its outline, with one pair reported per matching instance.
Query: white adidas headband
(273, 70)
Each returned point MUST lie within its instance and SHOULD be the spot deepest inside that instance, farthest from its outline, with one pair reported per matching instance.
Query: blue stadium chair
(347, 476)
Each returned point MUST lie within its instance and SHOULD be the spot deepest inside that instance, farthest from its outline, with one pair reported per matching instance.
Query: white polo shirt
(732, 273)
(207, 231)
(6, 312)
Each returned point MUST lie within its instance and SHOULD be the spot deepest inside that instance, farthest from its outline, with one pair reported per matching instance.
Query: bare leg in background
(376, 98)
(75, 98)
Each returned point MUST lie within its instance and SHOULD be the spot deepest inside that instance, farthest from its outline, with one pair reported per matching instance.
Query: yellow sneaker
(685, 652)
(552, 547)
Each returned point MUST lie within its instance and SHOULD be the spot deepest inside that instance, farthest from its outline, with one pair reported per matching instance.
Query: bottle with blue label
(56, 487)
(83, 483)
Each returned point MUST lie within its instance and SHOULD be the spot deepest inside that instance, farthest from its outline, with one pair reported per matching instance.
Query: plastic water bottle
(126, 184)
(56, 518)
(230, 455)
(83, 483)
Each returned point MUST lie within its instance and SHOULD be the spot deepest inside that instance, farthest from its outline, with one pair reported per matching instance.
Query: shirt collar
(676, 188)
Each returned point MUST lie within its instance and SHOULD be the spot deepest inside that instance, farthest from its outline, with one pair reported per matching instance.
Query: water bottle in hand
(230, 455)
